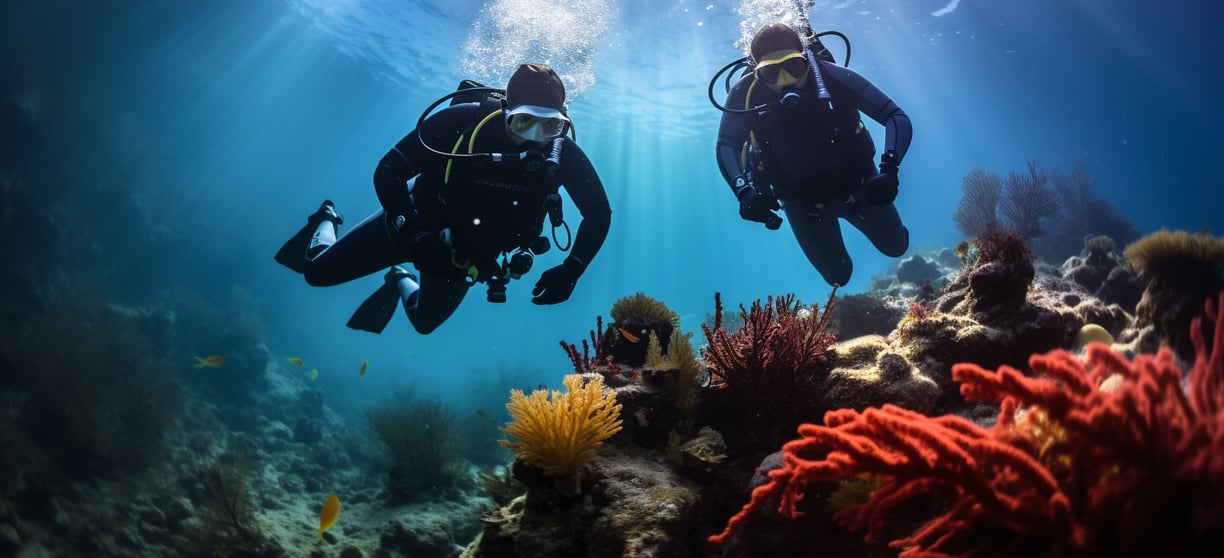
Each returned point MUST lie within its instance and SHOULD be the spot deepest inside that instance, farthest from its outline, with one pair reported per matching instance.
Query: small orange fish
(327, 518)
(365, 365)
(210, 362)
(295, 361)
(628, 336)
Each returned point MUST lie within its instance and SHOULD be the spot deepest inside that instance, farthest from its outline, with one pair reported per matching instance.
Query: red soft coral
(1101, 457)
(776, 349)
(767, 374)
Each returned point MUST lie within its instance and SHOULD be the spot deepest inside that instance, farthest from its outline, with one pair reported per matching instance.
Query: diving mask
(782, 68)
(534, 128)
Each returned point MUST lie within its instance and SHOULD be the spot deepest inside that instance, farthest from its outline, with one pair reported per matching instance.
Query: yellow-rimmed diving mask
(782, 68)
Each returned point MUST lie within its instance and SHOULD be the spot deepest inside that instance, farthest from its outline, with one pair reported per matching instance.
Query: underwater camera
(515, 267)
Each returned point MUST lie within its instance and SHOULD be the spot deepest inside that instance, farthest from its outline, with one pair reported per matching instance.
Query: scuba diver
(472, 183)
(791, 138)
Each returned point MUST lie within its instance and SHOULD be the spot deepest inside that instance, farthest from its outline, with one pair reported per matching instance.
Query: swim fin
(293, 254)
(377, 310)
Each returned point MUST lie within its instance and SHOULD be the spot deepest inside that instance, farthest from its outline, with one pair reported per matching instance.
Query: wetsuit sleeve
(877, 106)
(585, 189)
(408, 158)
(393, 173)
(733, 133)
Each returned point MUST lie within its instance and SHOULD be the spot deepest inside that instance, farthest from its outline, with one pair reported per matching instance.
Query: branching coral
(227, 522)
(772, 366)
(1089, 215)
(775, 349)
(583, 361)
(1097, 458)
(420, 438)
(980, 192)
(1027, 199)
(558, 432)
(1027, 202)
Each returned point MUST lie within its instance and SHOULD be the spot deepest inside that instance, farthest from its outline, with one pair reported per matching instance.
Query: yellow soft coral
(560, 433)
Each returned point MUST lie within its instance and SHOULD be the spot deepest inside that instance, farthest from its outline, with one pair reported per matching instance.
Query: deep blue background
(229, 121)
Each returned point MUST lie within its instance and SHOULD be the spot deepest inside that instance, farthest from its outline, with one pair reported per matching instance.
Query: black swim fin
(293, 254)
(377, 310)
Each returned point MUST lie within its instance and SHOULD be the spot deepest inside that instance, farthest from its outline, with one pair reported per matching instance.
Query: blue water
(230, 120)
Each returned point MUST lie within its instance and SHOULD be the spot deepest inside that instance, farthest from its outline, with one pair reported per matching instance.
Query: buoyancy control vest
(493, 197)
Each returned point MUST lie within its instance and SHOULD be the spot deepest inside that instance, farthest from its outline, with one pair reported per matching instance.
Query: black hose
(429, 110)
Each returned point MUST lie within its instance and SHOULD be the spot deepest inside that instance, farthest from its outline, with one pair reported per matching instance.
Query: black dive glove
(434, 257)
(882, 188)
(756, 205)
(556, 284)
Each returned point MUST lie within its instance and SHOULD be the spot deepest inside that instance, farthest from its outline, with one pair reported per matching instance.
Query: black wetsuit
(816, 159)
(488, 207)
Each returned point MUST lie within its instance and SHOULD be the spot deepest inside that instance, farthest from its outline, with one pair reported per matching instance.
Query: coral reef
(864, 314)
(1087, 216)
(500, 484)
(635, 319)
(980, 192)
(868, 372)
(1019, 203)
(1101, 457)
(1102, 271)
(112, 442)
(1003, 270)
(227, 524)
(627, 505)
(1179, 270)
(918, 270)
(419, 439)
(558, 432)
(98, 397)
(1027, 200)
(772, 366)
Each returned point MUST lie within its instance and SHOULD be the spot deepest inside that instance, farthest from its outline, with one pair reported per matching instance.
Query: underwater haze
(181, 143)
(228, 122)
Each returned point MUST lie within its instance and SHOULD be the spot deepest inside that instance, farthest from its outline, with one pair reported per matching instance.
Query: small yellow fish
(327, 518)
(365, 365)
(628, 336)
(295, 361)
(313, 374)
(210, 362)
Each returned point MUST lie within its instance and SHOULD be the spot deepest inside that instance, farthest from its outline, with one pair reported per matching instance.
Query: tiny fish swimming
(210, 361)
(327, 518)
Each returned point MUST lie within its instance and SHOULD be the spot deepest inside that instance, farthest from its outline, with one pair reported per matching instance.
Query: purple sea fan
(980, 196)
(1027, 199)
